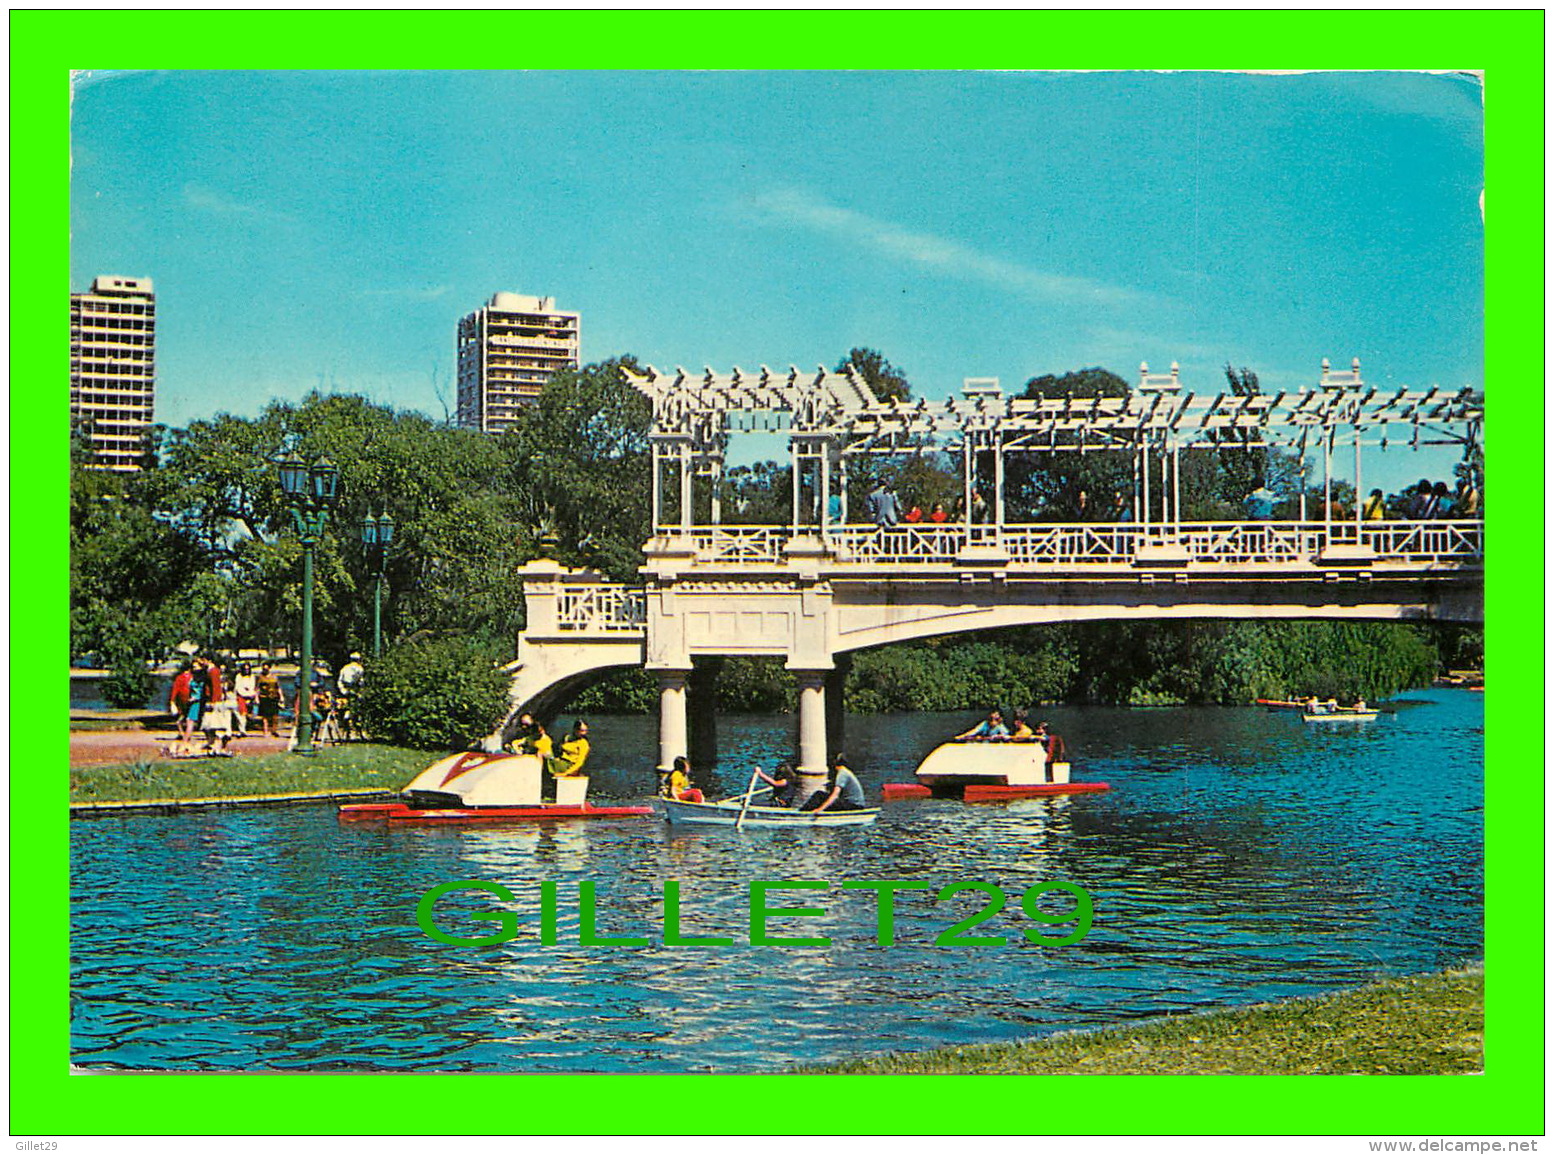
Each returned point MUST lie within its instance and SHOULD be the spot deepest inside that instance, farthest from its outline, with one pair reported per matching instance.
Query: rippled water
(1240, 856)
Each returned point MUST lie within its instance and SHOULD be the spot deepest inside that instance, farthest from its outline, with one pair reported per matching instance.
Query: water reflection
(1241, 856)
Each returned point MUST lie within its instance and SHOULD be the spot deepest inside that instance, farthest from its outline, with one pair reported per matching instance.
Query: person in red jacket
(178, 702)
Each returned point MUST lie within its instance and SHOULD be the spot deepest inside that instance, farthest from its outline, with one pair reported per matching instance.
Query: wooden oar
(750, 791)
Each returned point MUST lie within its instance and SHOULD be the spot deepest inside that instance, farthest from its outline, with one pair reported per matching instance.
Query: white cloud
(951, 257)
(208, 200)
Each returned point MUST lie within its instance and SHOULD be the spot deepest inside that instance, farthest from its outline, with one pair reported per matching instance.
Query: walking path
(106, 747)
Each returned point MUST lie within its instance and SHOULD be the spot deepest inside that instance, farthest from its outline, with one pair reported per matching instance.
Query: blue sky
(329, 229)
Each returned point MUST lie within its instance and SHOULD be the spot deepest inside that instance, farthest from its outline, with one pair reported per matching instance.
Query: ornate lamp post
(311, 491)
(377, 536)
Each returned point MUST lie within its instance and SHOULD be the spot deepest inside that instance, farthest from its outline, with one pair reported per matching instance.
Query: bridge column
(672, 735)
(835, 722)
(812, 728)
(701, 692)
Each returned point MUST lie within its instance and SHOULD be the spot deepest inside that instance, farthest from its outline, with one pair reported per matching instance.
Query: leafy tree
(582, 462)
(887, 382)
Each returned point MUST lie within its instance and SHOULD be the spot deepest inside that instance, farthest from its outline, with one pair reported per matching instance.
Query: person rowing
(784, 783)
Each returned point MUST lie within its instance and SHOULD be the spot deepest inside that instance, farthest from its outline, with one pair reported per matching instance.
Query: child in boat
(677, 784)
(1021, 731)
(993, 728)
(784, 783)
(1052, 742)
(842, 790)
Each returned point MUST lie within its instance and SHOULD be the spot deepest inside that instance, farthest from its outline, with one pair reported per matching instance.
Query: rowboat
(990, 771)
(479, 787)
(1342, 714)
(735, 812)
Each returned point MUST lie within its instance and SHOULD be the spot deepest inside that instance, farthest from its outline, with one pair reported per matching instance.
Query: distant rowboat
(1342, 714)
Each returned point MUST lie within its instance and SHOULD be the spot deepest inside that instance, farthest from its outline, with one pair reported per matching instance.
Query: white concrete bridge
(821, 587)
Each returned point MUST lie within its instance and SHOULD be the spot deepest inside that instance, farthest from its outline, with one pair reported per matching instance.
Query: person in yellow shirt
(1375, 507)
(677, 784)
(531, 738)
(574, 752)
(1022, 731)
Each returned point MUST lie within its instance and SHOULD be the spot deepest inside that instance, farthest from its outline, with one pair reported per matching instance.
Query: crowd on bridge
(1426, 501)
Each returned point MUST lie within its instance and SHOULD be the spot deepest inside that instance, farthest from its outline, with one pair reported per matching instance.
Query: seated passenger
(677, 784)
(574, 752)
(784, 783)
(842, 790)
(1021, 732)
(992, 729)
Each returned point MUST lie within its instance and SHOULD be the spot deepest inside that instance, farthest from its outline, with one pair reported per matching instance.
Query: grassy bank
(352, 767)
(1420, 1025)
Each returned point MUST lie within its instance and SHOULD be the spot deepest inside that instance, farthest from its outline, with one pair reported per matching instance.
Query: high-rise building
(113, 368)
(507, 351)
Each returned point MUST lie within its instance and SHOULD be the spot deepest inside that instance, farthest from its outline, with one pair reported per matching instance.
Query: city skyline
(332, 228)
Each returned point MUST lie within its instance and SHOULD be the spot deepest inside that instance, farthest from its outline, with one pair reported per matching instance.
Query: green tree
(888, 382)
(582, 461)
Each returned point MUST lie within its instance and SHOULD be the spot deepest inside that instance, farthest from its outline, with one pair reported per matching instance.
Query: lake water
(1240, 856)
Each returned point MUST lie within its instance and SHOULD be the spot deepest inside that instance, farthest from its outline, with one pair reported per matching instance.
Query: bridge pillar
(836, 726)
(701, 691)
(812, 728)
(672, 735)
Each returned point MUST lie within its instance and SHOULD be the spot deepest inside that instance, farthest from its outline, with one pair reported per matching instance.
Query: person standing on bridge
(1375, 507)
(883, 506)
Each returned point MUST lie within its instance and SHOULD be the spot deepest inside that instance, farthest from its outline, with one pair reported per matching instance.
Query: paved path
(103, 747)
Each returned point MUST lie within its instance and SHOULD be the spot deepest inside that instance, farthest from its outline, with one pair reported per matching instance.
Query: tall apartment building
(113, 368)
(507, 351)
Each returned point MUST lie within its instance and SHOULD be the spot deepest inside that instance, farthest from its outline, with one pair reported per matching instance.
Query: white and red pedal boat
(477, 787)
(990, 771)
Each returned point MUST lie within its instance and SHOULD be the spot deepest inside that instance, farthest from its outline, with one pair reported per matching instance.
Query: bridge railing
(1059, 545)
(601, 608)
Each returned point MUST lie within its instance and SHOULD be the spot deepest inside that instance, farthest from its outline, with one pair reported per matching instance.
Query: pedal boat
(734, 812)
(990, 771)
(477, 787)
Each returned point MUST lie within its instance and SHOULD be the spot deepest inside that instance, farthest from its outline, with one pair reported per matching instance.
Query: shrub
(436, 695)
(128, 685)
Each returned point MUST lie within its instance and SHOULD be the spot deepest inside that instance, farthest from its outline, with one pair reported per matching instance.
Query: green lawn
(1420, 1025)
(357, 766)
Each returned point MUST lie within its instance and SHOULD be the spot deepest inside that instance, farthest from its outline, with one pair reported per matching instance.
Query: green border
(1508, 1099)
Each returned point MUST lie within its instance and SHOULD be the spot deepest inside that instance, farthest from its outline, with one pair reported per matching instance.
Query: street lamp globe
(385, 529)
(369, 530)
(294, 476)
(325, 480)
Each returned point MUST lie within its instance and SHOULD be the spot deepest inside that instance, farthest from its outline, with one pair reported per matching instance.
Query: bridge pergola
(820, 588)
(833, 418)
